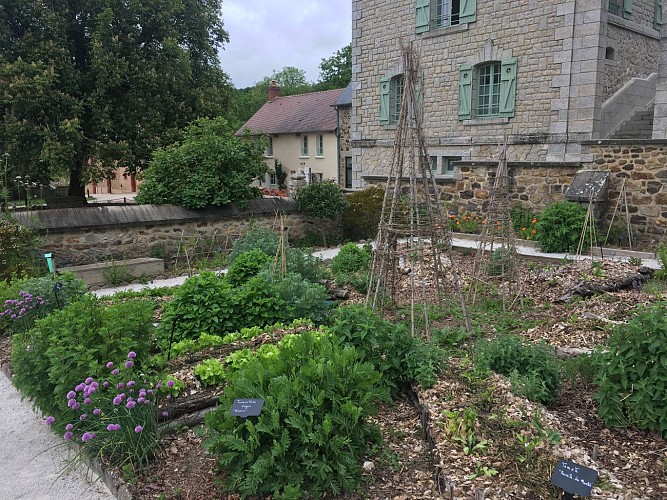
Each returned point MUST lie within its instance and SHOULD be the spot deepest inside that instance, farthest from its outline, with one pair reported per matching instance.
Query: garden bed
(423, 455)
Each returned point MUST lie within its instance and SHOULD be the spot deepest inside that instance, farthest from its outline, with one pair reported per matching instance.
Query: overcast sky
(267, 35)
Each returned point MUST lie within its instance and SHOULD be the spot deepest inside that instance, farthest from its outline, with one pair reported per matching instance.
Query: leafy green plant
(533, 370)
(210, 371)
(481, 471)
(322, 200)
(500, 262)
(349, 259)
(362, 216)
(635, 261)
(465, 223)
(633, 372)
(461, 427)
(246, 265)
(560, 227)
(312, 432)
(116, 274)
(74, 343)
(257, 238)
(17, 250)
(661, 255)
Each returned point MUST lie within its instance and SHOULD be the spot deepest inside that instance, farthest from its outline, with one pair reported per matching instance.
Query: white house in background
(302, 134)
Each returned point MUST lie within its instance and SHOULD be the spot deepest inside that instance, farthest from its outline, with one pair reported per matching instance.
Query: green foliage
(117, 274)
(74, 343)
(322, 200)
(500, 262)
(362, 216)
(351, 266)
(461, 427)
(633, 373)
(220, 168)
(17, 250)
(560, 227)
(336, 71)
(533, 369)
(189, 346)
(303, 299)
(54, 295)
(87, 83)
(661, 255)
(312, 432)
(281, 174)
(523, 221)
(257, 238)
(210, 372)
(390, 347)
(464, 223)
(246, 265)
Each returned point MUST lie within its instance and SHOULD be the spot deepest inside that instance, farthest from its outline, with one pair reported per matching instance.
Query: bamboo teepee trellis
(413, 235)
(496, 258)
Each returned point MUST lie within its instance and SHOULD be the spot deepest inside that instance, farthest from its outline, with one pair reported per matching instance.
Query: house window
(269, 148)
(657, 17)
(273, 179)
(448, 164)
(304, 145)
(443, 13)
(491, 86)
(488, 89)
(348, 172)
(391, 96)
(621, 8)
(320, 145)
(446, 13)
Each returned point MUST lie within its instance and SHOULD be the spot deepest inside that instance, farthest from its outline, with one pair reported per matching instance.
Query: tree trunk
(76, 186)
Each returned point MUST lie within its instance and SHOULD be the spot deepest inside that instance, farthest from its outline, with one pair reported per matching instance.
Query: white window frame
(396, 89)
(320, 146)
(304, 146)
(443, 16)
(269, 148)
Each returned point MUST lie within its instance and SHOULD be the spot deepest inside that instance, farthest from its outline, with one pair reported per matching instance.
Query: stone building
(574, 85)
(343, 107)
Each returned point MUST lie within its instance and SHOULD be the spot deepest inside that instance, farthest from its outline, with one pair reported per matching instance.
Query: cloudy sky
(267, 35)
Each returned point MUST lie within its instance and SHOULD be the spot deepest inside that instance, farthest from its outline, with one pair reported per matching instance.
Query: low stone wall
(93, 234)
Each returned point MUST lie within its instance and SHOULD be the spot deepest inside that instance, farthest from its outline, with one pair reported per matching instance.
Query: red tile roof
(313, 112)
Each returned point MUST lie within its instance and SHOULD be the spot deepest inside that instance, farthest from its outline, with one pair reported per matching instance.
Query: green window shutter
(627, 9)
(657, 20)
(384, 101)
(465, 91)
(423, 16)
(468, 11)
(507, 87)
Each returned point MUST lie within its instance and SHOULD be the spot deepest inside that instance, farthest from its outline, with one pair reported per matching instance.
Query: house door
(133, 183)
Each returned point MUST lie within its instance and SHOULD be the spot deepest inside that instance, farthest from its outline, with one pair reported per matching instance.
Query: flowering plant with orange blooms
(465, 223)
(529, 232)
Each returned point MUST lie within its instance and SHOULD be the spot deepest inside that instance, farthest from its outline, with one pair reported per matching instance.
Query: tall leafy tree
(93, 84)
(336, 71)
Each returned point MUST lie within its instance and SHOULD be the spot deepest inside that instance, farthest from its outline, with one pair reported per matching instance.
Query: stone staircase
(638, 126)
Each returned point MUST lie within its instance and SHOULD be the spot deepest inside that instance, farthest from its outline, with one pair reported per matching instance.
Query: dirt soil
(422, 458)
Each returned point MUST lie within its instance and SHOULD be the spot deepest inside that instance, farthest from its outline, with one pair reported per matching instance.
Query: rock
(368, 466)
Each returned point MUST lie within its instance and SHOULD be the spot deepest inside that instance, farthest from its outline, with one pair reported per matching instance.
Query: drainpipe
(569, 84)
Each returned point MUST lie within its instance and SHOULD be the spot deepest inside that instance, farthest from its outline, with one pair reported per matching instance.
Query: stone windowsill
(633, 26)
(487, 121)
(445, 30)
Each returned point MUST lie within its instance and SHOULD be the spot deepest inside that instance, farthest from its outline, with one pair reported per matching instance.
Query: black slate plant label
(574, 478)
(247, 407)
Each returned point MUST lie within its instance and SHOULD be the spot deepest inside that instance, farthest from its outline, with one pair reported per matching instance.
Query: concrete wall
(93, 234)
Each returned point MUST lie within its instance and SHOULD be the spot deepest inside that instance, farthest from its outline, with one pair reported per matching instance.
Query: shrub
(661, 255)
(312, 432)
(303, 299)
(392, 350)
(210, 371)
(302, 262)
(322, 200)
(257, 238)
(246, 265)
(351, 258)
(560, 227)
(524, 222)
(76, 342)
(533, 370)
(362, 216)
(17, 250)
(632, 373)
(115, 418)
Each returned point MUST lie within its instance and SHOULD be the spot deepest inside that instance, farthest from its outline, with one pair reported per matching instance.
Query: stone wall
(642, 165)
(100, 233)
(344, 141)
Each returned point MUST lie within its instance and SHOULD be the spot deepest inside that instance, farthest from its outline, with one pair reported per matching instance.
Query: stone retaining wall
(93, 234)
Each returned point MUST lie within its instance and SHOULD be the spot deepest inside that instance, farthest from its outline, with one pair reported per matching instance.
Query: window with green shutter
(491, 86)
(384, 101)
(657, 19)
(627, 9)
(443, 13)
(422, 16)
(391, 97)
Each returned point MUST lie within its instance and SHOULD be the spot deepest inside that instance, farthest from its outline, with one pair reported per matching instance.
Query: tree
(210, 166)
(89, 85)
(322, 200)
(336, 71)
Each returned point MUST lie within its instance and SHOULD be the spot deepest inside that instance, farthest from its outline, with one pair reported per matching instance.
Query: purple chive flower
(120, 385)
(138, 429)
(130, 404)
(115, 372)
(170, 383)
(87, 436)
(80, 387)
(165, 413)
(105, 384)
(168, 397)
(131, 355)
(76, 405)
(97, 411)
(83, 416)
(94, 385)
(49, 420)
(69, 427)
(71, 395)
(68, 435)
(131, 383)
(117, 400)
(87, 401)
(110, 364)
(150, 391)
(113, 427)
(89, 380)
(71, 403)
(128, 364)
(141, 399)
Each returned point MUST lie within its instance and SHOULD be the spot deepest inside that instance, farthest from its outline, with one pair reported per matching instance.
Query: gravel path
(33, 459)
